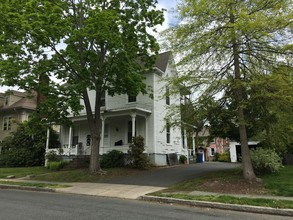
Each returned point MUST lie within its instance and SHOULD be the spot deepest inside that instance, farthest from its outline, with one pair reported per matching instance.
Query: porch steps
(78, 162)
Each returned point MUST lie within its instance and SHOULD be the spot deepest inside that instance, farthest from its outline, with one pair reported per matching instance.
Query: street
(25, 205)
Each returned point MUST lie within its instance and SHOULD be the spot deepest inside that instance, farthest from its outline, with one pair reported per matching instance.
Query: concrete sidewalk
(94, 189)
(110, 190)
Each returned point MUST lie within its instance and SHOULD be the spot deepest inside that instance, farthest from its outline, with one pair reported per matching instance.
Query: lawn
(280, 184)
(273, 203)
(77, 175)
(36, 185)
(22, 171)
(83, 175)
(231, 182)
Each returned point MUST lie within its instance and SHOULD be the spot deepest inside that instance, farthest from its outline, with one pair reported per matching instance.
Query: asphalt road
(24, 205)
(164, 177)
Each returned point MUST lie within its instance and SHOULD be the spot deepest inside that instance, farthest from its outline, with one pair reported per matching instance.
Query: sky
(170, 20)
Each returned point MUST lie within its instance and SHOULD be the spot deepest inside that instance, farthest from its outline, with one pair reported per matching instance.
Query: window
(88, 140)
(103, 99)
(106, 134)
(168, 133)
(167, 96)
(7, 123)
(131, 98)
(213, 151)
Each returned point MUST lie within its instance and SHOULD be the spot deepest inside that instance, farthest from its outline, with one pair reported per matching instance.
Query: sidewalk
(94, 189)
(140, 192)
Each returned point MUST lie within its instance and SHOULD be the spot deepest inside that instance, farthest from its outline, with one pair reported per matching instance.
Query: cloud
(170, 17)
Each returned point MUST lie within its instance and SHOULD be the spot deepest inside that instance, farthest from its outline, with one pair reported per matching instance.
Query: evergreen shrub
(114, 158)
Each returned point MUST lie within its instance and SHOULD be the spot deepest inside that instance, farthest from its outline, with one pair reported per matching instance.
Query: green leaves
(87, 44)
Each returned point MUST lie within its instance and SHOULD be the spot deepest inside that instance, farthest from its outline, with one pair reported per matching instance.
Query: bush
(136, 157)
(216, 157)
(112, 159)
(265, 161)
(56, 165)
(25, 147)
(182, 159)
(52, 156)
(224, 157)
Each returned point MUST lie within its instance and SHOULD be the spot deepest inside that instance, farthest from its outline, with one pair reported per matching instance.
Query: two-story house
(126, 116)
(15, 107)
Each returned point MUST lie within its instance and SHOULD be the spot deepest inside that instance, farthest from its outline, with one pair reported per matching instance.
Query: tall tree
(87, 45)
(224, 45)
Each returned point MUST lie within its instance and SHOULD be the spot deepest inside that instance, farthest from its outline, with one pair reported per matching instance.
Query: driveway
(164, 177)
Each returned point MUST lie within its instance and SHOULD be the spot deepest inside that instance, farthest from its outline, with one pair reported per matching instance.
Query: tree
(225, 47)
(87, 45)
(26, 146)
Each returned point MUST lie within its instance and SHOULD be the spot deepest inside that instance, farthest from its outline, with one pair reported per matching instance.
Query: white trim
(9, 123)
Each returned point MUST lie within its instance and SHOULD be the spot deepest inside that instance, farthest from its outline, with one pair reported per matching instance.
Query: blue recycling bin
(199, 157)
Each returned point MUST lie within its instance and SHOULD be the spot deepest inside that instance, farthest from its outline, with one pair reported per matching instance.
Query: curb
(233, 207)
(29, 188)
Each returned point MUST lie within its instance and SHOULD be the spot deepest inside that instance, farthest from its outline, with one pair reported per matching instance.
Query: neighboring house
(217, 146)
(126, 116)
(15, 107)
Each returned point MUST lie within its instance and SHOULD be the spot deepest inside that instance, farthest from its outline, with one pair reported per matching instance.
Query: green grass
(195, 184)
(276, 184)
(38, 185)
(83, 175)
(22, 171)
(280, 184)
(273, 203)
(78, 175)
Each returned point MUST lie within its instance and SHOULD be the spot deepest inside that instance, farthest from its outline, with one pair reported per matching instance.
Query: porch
(118, 128)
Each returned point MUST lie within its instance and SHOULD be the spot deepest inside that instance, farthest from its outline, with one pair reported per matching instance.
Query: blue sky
(169, 21)
(170, 18)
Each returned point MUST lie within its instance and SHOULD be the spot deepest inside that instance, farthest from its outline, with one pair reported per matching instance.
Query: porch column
(69, 138)
(133, 117)
(186, 145)
(193, 143)
(147, 131)
(47, 145)
(47, 139)
(102, 135)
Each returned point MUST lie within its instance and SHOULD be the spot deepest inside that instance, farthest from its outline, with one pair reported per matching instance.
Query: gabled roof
(23, 103)
(162, 61)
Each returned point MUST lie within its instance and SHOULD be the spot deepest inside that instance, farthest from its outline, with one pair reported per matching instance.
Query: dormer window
(131, 98)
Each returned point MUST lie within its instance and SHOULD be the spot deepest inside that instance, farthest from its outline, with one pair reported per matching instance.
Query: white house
(126, 116)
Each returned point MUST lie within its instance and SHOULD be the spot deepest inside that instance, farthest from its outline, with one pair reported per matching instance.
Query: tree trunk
(94, 166)
(95, 128)
(239, 96)
(248, 172)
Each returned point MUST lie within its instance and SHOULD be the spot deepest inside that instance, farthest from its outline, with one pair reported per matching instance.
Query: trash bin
(199, 157)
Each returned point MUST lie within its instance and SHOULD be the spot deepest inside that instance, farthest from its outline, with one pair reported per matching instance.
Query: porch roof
(117, 112)
(132, 109)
